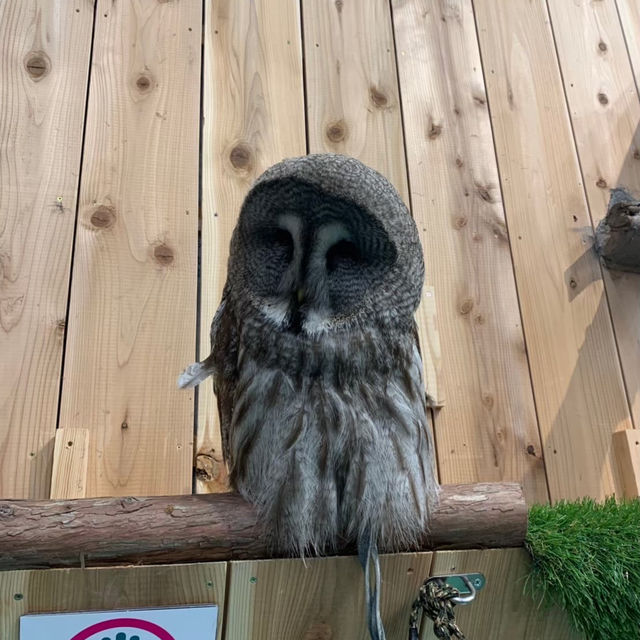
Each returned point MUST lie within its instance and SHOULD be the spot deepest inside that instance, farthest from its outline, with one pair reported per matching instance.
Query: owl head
(324, 242)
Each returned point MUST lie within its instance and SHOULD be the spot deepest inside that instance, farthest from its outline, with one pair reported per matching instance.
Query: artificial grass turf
(586, 559)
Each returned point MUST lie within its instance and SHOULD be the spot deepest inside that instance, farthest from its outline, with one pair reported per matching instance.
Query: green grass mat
(586, 558)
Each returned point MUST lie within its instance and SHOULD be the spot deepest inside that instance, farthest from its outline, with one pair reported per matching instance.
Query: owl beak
(300, 295)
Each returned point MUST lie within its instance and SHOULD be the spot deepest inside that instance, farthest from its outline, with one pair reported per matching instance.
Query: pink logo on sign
(131, 623)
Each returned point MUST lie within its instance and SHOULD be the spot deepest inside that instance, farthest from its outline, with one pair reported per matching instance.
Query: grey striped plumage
(315, 359)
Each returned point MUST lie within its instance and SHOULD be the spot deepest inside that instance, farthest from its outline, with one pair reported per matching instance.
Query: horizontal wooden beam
(107, 531)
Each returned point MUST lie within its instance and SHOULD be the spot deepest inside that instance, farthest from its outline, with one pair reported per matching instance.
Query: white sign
(176, 623)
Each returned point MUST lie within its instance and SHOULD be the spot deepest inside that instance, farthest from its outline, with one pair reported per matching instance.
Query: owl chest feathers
(329, 439)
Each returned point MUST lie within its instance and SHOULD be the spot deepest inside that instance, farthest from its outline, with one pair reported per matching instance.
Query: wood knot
(163, 254)
(144, 82)
(459, 162)
(636, 154)
(241, 157)
(434, 131)
(466, 306)
(103, 217)
(479, 319)
(377, 97)
(488, 400)
(337, 131)
(483, 192)
(6, 511)
(602, 98)
(573, 283)
(460, 222)
(37, 64)
(602, 46)
(480, 100)
(125, 425)
(339, 4)
(602, 183)
(531, 450)
(318, 631)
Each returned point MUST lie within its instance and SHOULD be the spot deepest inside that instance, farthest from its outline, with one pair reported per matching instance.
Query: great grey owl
(316, 364)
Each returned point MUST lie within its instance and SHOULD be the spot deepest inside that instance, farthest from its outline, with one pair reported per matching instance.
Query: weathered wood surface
(217, 527)
(487, 430)
(577, 381)
(502, 610)
(133, 298)
(319, 599)
(45, 46)
(106, 589)
(605, 113)
(253, 114)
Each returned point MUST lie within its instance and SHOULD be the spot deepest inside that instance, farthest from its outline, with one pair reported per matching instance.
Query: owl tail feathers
(368, 555)
(195, 373)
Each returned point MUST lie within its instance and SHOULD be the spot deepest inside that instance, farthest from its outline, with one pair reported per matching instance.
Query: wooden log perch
(618, 234)
(107, 531)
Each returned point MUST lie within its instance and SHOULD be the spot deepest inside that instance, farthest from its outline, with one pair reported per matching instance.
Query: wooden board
(502, 610)
(319, 599)
(629, 12)
(59, 590)
(353, 108)
(627, 448)
(488, 429)
(253, 117)
(605, 114)
(70, 464)
(45, 47)
(575, 370)
(133, 300)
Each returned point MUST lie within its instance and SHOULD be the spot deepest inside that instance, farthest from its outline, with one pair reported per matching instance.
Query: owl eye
(342, 254)
(281, 243)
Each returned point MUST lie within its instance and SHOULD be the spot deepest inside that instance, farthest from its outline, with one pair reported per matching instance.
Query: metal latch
(466, 584)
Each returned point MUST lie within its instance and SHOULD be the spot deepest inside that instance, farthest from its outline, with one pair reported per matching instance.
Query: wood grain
(253, 118)
(70, 464)
(220, 526)
(575, 370)
(133, 298)
(629, 12)
(45, 47)
(502, 610)
(605, 113)
(320, 598)
(627, 448)
(61, 590)
(353, 108)
(488, 429)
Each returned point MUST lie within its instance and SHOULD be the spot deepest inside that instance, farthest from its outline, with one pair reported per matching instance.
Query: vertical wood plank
(488, 430)
(133, 299)
(62, 590)
(45, 46)
(354, 108)
(605, 113)
(502, 610)
(627, 447)
(253, 118)
(575, 370)
(629, 12)
(319, 598)
(352, 90)
(70, 464)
